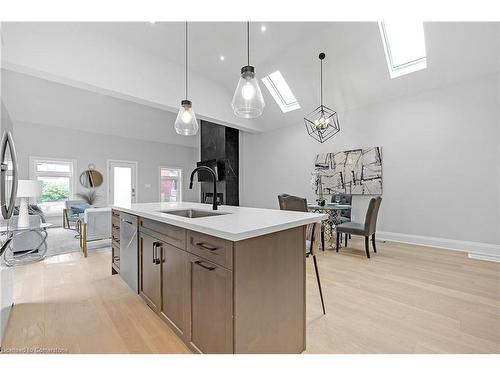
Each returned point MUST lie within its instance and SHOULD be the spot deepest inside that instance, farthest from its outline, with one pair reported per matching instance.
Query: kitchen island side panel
(269, 293)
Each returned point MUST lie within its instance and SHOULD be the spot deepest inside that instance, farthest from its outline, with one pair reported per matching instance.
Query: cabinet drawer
(115, 239)
(168, 233)
(115, 214)
(214, 249)
(115, 223)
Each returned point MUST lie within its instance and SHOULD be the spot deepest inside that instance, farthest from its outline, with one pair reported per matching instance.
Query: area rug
(63, 241)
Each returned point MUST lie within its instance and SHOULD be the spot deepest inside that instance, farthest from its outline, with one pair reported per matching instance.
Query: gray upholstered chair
(366, 230)
(345, 215)
(313, 232)
(95, 226)
(70, 216)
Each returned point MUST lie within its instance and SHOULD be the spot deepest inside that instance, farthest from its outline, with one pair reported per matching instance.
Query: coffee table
(29, 255)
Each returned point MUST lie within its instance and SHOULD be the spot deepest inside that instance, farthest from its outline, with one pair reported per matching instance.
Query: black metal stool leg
(319, 283)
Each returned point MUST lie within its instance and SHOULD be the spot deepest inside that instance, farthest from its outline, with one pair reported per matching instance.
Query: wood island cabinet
(115, 242)
(221, 296)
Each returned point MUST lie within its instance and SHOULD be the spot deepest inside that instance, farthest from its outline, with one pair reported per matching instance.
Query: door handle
(154, 252)
(198, 262)
(156, 258)
(128, 222)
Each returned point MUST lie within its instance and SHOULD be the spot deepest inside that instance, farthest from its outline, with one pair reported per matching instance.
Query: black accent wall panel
(221, 143)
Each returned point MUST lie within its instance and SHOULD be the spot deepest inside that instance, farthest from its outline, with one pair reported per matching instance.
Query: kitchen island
(225, 281)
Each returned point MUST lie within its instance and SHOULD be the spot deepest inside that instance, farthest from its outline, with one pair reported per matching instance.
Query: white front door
(122, 182)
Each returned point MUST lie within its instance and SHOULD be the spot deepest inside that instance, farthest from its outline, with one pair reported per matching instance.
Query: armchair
(95, 226)
(69, 214)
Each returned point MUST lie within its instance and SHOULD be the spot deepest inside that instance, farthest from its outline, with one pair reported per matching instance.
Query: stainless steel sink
(193, 214)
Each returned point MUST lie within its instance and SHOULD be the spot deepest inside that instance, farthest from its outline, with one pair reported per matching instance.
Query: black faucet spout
(214, 178)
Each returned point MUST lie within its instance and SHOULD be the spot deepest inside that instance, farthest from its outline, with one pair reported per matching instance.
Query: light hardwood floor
(405, 299)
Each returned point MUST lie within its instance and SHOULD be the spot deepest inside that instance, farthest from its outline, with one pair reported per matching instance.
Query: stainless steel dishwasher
(129, 253)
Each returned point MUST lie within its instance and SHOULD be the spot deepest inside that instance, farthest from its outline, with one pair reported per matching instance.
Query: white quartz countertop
(239, 224)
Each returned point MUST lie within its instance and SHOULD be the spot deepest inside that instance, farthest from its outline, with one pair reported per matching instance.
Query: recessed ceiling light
(263, 28)
(222, 58)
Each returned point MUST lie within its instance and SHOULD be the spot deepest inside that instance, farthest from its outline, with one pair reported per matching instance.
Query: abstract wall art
(357, 172)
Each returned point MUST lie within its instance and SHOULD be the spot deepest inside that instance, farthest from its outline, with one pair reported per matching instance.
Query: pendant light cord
(186, 60)
(248, 43)
(321, 82)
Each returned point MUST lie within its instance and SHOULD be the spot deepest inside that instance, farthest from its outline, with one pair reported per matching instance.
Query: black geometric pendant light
(323, 122)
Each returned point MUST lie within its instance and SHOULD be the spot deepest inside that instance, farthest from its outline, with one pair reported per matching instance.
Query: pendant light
(185, 123)
(323, 122)
(247, 100)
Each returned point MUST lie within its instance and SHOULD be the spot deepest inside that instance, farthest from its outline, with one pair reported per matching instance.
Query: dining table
(333, 210)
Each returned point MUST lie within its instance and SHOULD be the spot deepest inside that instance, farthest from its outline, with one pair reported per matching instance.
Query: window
(170, 184)
(404, 45)
(281, 92)
(57, 177)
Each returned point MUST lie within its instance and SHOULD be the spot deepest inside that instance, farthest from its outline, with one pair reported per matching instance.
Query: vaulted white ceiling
(39, 101)
(143, 62)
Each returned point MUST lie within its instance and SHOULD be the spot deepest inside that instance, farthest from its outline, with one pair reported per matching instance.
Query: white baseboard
(475, 250)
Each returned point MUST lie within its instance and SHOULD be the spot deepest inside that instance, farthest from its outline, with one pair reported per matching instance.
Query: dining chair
(313, 231)
(367, 229)
(345, 215)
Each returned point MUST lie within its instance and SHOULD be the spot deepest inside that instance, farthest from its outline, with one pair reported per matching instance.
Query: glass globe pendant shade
(248, 101)
(185, 123)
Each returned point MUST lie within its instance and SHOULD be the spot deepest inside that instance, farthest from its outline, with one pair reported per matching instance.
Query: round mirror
(91, 178)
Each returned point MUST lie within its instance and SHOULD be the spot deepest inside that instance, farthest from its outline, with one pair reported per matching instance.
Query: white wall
(440, 161)
(86, 148)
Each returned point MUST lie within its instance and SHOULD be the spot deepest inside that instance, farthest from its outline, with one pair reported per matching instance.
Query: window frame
(277, 94)
(72, 174)
(405, 68)
(181, 173)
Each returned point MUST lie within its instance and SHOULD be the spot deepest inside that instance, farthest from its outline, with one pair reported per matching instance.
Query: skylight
(281, 92)
(404, 45)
